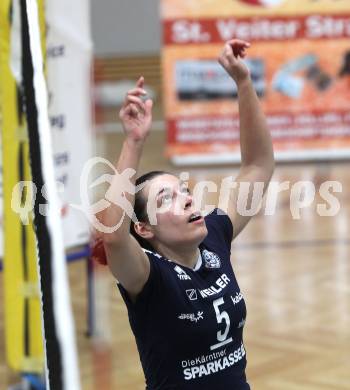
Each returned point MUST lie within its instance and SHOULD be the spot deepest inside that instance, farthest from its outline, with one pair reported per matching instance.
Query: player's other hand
(231, 59)
(136, 114)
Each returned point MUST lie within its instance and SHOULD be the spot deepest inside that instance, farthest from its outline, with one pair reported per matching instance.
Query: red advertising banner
(299, 63)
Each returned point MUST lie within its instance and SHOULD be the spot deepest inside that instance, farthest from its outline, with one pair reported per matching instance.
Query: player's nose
(188, 200)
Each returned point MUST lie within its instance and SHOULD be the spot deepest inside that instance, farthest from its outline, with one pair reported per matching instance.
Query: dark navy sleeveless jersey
(188, 323)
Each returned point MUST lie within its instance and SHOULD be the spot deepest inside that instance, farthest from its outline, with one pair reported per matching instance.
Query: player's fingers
(149, 105)
(128, 110)
(227, 50)
(137, 101)
(133, 110)
(230, 56)
(239, 43)
(223, 61)
(137, 92)
(133, 92)
(238, 47)
(140, 82)
(227, 53)
(242, 53)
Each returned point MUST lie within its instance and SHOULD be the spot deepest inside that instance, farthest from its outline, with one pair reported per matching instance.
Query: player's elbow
(270, 167)
(115, 239)
(265, 163)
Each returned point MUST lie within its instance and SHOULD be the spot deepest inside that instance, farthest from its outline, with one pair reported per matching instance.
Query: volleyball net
(45, 105)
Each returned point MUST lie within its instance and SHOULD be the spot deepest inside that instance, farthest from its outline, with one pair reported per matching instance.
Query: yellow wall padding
(22, 297)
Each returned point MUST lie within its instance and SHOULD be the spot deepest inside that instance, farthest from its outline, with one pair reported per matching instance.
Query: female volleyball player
(185, 307)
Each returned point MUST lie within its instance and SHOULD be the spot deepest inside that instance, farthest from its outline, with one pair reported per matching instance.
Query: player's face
(170, 206)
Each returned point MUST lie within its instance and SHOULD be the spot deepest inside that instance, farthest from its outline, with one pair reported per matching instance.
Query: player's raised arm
(125, 258)
(256, 144)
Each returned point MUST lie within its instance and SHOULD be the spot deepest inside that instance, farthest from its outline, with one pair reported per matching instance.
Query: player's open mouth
(196, 217)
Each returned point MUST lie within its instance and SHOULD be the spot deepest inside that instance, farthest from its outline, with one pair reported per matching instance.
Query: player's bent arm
(126, 260)
(255, 139)
(257, 153)
(128, 263)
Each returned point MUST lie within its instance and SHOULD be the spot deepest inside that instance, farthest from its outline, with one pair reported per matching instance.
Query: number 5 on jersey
(221, 317)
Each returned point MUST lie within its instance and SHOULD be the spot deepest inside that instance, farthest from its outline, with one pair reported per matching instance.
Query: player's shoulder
(155, 255)
(152, 254)
(157, 260)
(219, 226)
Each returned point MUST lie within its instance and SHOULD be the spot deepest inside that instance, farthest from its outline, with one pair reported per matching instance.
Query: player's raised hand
(136, 114)
(231, 59)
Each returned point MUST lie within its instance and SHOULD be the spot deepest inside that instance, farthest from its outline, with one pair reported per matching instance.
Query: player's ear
(144, 230)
